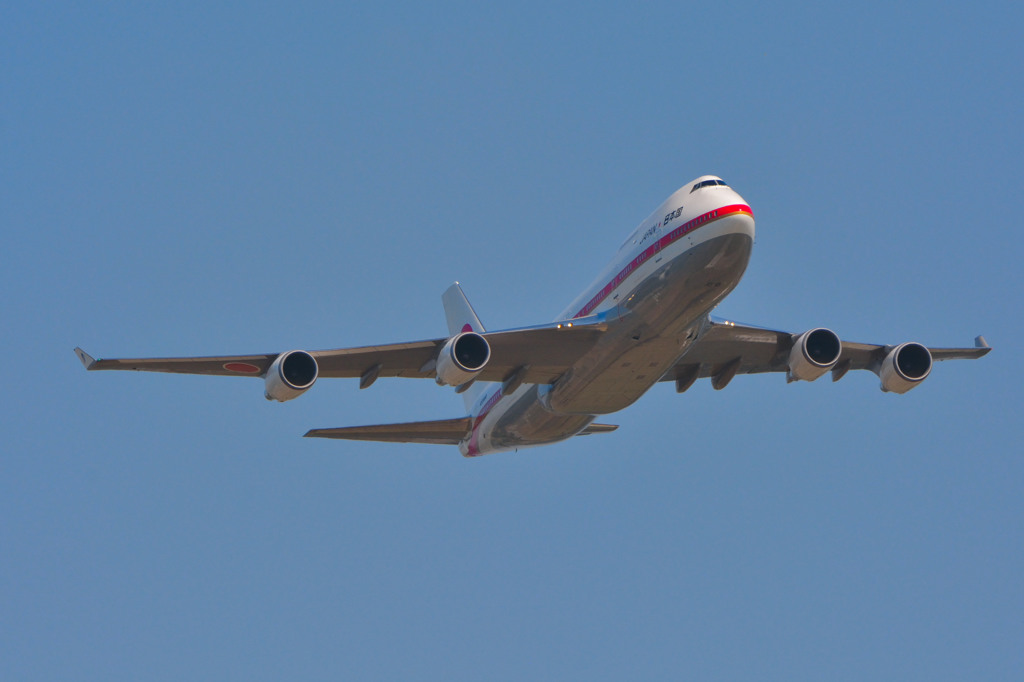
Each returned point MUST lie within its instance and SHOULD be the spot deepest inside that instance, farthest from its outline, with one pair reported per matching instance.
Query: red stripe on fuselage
(473, 448)
(673, 236)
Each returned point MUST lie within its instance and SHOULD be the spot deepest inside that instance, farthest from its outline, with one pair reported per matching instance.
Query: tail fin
(462, 318)
(459, 312)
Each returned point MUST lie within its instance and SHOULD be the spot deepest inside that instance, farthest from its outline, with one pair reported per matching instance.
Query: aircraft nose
(738, 219)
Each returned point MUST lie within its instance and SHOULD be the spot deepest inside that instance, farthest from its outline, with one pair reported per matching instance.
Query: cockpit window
(708, 183)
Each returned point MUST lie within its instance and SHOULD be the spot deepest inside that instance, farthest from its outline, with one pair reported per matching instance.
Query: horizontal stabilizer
(440, 432)
(598, 428)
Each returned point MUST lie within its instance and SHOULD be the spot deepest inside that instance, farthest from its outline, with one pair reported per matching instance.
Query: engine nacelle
(462, 358)
(814, 353)
(906, 366)
(290, 375)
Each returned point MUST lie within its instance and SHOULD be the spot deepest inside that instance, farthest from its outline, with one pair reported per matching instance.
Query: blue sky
(247, 177)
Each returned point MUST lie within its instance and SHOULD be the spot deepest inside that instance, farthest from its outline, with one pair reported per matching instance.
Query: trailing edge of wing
(439, 432)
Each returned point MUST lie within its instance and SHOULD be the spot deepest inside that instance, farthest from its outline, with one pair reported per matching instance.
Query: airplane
(645, 319)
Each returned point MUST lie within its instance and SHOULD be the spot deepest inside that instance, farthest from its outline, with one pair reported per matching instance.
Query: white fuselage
(658, 290)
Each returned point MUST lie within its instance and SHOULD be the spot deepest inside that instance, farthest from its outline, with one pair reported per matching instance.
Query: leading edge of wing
(756, 349)
(221, 365)
(981, 349)
(438, 432)
(542, 353)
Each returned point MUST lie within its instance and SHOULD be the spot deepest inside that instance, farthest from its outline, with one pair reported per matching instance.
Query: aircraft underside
(645, 319)
(661, 318)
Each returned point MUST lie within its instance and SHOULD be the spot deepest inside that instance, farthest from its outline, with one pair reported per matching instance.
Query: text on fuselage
(650, 232)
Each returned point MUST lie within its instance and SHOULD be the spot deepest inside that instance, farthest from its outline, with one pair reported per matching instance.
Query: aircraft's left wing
(534, 355)
(726, 349)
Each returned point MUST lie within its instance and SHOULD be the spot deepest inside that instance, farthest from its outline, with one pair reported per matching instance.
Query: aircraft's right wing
(544, 353)
(534, 355)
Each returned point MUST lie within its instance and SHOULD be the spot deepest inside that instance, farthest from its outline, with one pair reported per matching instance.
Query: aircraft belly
(526, 423)
(665, 312)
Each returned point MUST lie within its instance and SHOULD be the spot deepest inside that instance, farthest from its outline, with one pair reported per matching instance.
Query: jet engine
(814, 353)
(906, 366)
(462, 358)
(290, 375)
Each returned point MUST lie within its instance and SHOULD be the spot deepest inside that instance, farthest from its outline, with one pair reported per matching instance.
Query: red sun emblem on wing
(242, 368)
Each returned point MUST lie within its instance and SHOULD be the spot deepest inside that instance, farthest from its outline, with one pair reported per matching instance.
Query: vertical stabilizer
(459, 312)
(462, 318)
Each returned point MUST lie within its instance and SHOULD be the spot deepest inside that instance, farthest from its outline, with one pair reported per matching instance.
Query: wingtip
(87, 360)
(980, 342)
(453, 287)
